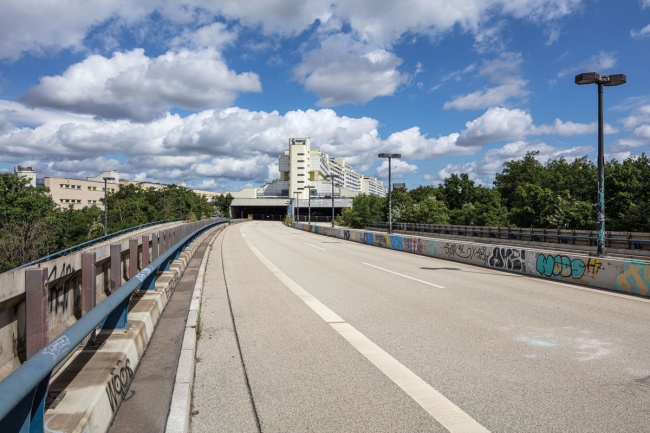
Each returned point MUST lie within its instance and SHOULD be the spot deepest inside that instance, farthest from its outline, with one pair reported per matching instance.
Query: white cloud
(598, 62)
(343, 71)
(496, 124)
(412, 144)
(489, 97)
(641, 115)
(569, 129)
(642, 131)
(398, 169)
(639, 34)
(215, 35)
(133, 86)
(505, 71)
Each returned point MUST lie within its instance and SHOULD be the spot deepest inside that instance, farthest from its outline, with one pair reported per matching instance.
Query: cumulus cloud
(398, 169)
(640, 116)
(133, 86)
(496, 124)
(215, 35)
(569, 129)
(344, 71)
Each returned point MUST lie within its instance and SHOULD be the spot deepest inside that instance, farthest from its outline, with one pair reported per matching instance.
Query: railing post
(36, 310)
(133, 258)
(145, 251)
(154, 246)
(88, 282)
(118, 318)
(116, 267)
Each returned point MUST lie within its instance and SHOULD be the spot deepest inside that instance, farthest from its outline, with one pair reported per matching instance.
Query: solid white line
(405, 276)
(437, 405)
(314, 246)
(287, 236)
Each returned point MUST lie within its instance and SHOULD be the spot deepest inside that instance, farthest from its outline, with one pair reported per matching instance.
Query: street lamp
(332, 177)
(390, 203)
(309, 188)
(106, 179)
(601, 80)
(297, 194)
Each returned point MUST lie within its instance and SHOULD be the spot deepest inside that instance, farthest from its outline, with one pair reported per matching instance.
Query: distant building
(28, 172)
(305, 171)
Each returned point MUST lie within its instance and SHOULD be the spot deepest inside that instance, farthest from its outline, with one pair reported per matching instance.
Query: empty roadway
(341, 336)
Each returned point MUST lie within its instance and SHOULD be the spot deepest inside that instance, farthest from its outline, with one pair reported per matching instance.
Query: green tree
(365, 209)
(458, 191)
(517, 173)
(222, 203)
(627, 194)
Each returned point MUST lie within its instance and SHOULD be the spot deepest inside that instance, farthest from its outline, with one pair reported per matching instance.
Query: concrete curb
(178, 420)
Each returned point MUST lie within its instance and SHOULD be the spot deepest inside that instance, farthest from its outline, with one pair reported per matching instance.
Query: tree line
(526, 193)
(33, 226)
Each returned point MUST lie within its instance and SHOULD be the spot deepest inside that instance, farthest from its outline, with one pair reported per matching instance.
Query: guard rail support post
(145, 251)
(116, 267)
(118, 319)
(133, 258)
(88, 282)
(36, 310)
(154, 246)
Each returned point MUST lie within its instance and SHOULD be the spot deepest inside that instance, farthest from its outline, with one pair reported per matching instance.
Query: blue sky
(207, 93)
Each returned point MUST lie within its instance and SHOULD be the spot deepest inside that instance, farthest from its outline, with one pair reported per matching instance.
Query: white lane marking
(287, 236)
(437, 405)
(405, 276)
(314, 246)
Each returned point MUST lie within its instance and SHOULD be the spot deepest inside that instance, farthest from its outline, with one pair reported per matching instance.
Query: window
(301, 181)
(301, 174)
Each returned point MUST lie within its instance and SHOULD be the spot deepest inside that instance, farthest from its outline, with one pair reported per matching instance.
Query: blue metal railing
(92, 242)
(632, 243)
(23, 392)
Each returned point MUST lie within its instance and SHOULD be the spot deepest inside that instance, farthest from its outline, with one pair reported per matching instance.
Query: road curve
(302, 332)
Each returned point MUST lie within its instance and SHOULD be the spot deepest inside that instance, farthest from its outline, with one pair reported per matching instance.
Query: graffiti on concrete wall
(368, 238)
(346, 235)
(513, 259)
(412, 245)
(380, 241)
(429, 247)
(118, 384)
(396, 243)
(560, 265)
(468, 252)
(634, 279)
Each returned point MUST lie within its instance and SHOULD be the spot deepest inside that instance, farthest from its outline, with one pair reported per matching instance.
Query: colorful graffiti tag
(560, 265)
(634, 279)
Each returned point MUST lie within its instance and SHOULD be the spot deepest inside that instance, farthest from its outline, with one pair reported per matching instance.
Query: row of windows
(69, 186)
(70, 200)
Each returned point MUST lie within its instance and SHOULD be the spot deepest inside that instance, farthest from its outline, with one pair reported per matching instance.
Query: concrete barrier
(94, 381)
(618, 274)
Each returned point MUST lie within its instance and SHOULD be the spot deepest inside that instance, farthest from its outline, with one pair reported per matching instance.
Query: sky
(207, 93)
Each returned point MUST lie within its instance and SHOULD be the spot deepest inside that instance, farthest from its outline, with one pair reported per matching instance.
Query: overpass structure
(314, 328)
(277, 208)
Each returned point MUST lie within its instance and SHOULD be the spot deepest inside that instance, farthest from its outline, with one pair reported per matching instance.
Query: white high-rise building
(303, 167)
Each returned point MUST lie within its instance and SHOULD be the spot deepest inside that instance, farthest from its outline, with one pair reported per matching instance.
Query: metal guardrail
(516, 234)
(91, 242)
(23, 393)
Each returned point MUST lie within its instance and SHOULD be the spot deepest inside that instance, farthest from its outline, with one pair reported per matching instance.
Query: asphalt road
(303, 332)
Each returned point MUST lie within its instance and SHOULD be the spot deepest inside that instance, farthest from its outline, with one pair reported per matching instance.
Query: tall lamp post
(601, 80)
(332, 178)
(390, 201)
(309, 188)
(106, 179)
(297, 194)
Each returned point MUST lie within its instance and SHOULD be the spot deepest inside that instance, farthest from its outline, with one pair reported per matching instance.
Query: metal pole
(601, 176)
(390, 203)
(332, 201)
(297, 206)
(309, 216)
(105, 207)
